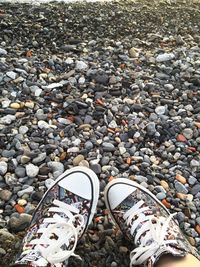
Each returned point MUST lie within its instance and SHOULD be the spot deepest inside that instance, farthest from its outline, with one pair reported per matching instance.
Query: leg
(169, 261)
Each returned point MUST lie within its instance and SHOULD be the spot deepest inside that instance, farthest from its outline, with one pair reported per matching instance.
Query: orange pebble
(111, 130)
(197, 124)
(166, 203)
(29, 53)
(128, 161)
(19, 208)
(181, 179)
(100, 102)
(197, 228)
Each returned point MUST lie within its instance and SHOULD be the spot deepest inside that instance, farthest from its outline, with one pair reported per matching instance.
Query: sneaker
(60, 219)
(146, 222)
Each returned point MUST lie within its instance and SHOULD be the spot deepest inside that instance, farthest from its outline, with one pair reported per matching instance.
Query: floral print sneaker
(60, 219)
(146, 222)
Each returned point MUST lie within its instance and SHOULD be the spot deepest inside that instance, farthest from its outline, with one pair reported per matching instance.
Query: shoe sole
(94, 187)
(131, 183)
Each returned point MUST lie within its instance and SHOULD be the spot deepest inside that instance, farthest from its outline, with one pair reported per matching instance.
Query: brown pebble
(191, 240)
(181, 179)
(164, 184)
(123, 249)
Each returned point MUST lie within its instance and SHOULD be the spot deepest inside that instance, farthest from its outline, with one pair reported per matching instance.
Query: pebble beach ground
(113, 86)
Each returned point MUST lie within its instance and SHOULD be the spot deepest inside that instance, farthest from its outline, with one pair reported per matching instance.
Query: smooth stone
(151, 128)
(43, 125)
(41, 157)
(23, 129)
(84, 163)
(195, 189)
(180, 187)
(161, 195)
(80, 65)
(108, 147)
(3, 167)
(194, 163)
(56, 167)
(96, 168)
(19, 224)
(89, 145)
(78, 159)
(25, 159)
(165, 57)
(5, 194)
(188, 133)
(32, 170)
(3, 52)
(160, 110)
(27, 190)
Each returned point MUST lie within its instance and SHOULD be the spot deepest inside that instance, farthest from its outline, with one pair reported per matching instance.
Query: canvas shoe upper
(146, 223)
(60, 219)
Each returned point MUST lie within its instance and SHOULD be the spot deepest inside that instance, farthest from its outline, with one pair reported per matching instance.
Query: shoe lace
(152, 234)
(58, 235)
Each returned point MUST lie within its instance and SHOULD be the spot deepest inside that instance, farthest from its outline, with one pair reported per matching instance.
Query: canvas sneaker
(60, 219)
(146, 222)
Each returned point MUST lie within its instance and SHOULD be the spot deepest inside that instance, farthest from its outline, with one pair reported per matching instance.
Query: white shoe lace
(59, 236)
(151, 235)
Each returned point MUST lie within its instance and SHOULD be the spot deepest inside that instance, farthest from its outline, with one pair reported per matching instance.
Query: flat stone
(180, 187)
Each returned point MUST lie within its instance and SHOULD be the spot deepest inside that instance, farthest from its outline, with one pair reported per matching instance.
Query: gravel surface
(112, 86)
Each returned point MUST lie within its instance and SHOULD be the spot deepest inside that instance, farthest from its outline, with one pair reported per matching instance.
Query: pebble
(32, 170)
(180, 187)
(161, 195)
(108, 147)
(188, 133)
(96, 168)
(3, 167)
(20, 223)
(165, 57)
(5, 194)
(77, 160)
(81, 65)
(160, 110)
(195, 189)
(3, 52)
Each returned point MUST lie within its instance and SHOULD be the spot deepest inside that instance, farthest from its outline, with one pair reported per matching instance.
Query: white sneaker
(146, 222)
(60, 219)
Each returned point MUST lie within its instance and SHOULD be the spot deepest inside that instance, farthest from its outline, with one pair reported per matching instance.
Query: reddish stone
(181, 138)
